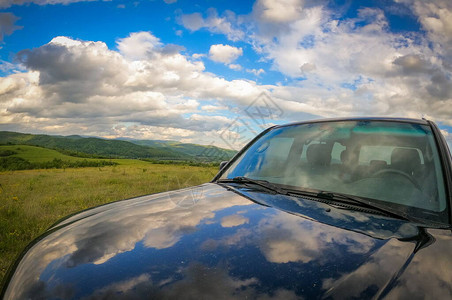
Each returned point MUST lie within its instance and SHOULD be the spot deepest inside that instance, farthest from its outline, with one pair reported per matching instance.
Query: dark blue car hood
(212, 242)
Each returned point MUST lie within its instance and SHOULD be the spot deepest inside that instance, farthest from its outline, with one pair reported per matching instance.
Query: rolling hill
(25, 157)
(107, 148)
(192, 150)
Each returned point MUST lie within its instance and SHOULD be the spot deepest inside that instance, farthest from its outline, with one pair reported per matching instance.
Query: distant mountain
(159, 150)
(193, 150)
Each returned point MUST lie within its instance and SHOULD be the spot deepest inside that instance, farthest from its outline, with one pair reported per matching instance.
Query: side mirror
(223, 163)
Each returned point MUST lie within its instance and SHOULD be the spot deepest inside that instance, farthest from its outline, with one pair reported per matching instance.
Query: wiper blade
(392, 212)
(369, 204)
(363, 202)
(263, 183)
(354, 200)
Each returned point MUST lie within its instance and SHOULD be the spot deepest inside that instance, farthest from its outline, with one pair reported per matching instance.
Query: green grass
(39, 155)
(32, 200)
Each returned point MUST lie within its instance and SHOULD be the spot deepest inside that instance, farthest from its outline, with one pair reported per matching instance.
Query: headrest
(345, 156)
(405, 159)
(319, 154)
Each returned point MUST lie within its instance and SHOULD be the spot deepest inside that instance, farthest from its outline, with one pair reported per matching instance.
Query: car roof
(381, 119)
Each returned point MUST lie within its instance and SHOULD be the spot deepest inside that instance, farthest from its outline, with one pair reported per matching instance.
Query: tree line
(11, 163)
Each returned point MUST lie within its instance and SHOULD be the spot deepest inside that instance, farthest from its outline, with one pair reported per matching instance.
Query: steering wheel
(400, 173)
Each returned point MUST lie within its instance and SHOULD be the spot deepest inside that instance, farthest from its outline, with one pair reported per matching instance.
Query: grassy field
(38, 154)
(32, 200)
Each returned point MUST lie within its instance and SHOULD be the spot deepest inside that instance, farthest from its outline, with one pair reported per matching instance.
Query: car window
(389, 162)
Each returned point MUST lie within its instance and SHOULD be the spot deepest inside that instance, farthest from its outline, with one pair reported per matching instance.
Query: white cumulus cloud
(143, 89)
(224, 53)
(278, 11)
(138, 45)
(226, 24)
(358, 66)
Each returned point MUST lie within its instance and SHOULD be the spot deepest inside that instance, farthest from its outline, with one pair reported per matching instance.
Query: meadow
(35, 154)
(32, 200)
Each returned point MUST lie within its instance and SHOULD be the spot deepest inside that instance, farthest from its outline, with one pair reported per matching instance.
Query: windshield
(392, 163)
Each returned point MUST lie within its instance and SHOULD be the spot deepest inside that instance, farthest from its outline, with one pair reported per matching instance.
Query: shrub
(14, 163)
(17, 163)
(4, 153)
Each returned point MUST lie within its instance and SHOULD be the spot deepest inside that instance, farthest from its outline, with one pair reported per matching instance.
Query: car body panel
(215, 241)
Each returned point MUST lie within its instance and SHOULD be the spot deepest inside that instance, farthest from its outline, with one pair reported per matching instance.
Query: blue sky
(193, 71)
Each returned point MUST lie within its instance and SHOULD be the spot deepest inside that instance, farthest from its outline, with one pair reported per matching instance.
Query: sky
(217, 72)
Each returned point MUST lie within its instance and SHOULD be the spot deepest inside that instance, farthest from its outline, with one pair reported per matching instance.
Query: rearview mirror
(223, 163)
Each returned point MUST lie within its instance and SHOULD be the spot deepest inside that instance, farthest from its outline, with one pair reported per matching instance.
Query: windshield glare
(393, 163)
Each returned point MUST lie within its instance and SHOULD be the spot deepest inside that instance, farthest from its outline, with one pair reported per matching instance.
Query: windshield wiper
(363, 202)
(337, 198)
(353, 200)
(366, 203)
(263, 183)
(382, 208)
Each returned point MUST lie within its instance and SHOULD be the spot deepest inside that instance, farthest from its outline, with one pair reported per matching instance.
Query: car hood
(215, 241)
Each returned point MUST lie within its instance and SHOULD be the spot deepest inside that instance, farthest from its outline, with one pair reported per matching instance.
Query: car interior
(396, 168)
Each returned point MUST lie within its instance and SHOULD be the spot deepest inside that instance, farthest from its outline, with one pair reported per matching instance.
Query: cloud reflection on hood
(224, 247)
(155, 220)
(199, 282)
(295, 239)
